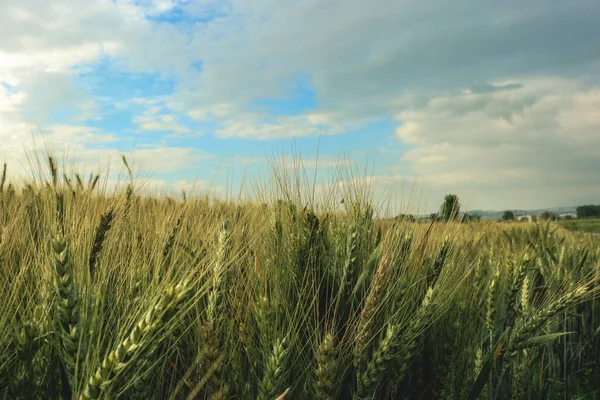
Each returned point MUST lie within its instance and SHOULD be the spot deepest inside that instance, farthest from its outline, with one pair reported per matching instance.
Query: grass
(591, 225)
(117, 295)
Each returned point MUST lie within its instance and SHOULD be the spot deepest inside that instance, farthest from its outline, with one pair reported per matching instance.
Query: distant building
(567, 216)
(524, 218)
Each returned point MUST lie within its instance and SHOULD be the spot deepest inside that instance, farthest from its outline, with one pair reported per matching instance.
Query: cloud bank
(495, 100)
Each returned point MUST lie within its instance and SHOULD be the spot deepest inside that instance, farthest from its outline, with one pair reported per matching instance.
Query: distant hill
(498, 214)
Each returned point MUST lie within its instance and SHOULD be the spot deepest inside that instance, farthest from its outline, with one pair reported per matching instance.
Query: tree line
(588, 211)
(450, 211)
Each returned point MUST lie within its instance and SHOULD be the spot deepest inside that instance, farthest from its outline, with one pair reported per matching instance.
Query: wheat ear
(325, 382)
(119, 358)
(274, 381)
(68, 307)
(3, 178)
(101, 230)
(520, 335)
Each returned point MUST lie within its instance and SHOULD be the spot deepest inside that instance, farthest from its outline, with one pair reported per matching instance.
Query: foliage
(548, 216)
(588, 211)
(406, 217)
(508, 216)
(450, 208)
(590, 225)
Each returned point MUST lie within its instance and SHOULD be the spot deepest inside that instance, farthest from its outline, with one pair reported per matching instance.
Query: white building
(567, 216)
(523, 218)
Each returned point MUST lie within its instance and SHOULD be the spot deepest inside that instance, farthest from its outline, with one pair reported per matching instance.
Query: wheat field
(114, 294)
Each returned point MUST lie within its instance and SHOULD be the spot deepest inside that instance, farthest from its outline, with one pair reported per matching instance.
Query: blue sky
(496, 102)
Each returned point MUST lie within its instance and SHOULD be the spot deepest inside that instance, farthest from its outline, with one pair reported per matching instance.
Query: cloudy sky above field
(499, 102)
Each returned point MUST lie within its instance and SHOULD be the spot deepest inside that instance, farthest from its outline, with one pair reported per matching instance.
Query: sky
(496, 101)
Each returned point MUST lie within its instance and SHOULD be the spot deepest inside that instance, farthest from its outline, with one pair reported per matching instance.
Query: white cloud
(362, 57)
(83, 149)
(479, 90)
(78, 134)
(543, 137)
(151, 120)
(253, 126)
(197, 188)
(153, 186)
(43, 41)
(320, 163)
(167, 159)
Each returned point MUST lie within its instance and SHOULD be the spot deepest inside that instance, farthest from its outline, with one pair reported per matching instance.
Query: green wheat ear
(118, 359)
(102, 230)
(3, 178)
(325, 374)
(274, 381)
(27, 345)
(73, 350)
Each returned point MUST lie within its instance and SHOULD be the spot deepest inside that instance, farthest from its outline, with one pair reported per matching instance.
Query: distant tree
(433, 216)
(406, 217)
(588, 211)
(450, 207)
(548, 215)
(508, 216)
(466, 218)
